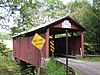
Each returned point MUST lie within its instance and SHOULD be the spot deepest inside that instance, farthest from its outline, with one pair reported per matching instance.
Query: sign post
(66, 24)
(66, 52)
(38, 42)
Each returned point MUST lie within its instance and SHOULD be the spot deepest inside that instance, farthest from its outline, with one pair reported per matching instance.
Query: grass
(93, 59)
(78, 72)
(55, 68)
(8, 66)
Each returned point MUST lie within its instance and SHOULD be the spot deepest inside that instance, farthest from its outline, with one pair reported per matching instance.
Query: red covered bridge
(23, 50)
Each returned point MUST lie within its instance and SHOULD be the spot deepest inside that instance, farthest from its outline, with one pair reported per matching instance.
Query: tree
(2, 47)
(95, 22)
(88, 15)
(5, 36)
(21, 12)
(31, 12)
(55, 8)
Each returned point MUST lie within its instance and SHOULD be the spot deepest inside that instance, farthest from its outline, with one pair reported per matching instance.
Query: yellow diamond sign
(38, 41)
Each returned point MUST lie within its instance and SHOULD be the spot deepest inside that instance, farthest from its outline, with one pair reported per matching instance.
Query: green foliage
(77, 9)
(55, 8)
(91, 21)
(33, 13)
(22, 12)
(93, 59)
(53, 68)
(5, 36)
(88, 15)
(2, 47)
(27, 69)
(89, 48)
(8, 66)
(28, 9)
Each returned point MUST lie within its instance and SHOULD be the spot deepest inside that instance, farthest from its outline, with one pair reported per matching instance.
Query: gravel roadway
(84, 67)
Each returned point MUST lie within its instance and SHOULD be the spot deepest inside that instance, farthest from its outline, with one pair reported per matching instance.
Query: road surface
(84, 67)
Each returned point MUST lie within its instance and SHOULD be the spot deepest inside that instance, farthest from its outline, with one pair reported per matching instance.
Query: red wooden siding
(24, 50)
(46, 44)
(16, 47)
(74, 45)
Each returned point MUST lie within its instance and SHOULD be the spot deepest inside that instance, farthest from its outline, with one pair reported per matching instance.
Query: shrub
(2, 47)
(89, 48)
(54, 68)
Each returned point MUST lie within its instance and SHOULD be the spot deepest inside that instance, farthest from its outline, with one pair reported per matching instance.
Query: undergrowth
(54, 68)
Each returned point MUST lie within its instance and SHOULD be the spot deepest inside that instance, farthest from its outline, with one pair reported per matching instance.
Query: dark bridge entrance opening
(59, 47)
